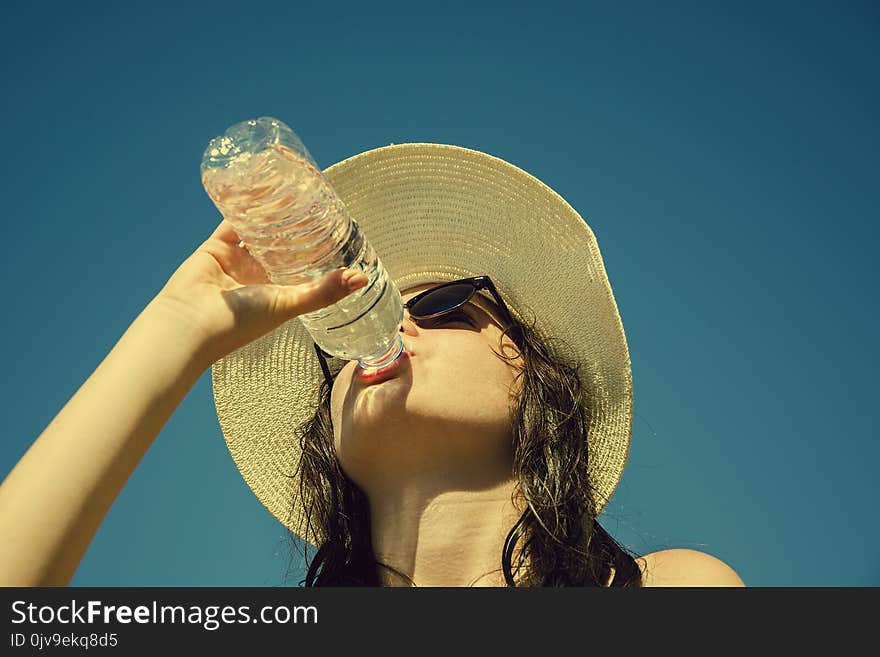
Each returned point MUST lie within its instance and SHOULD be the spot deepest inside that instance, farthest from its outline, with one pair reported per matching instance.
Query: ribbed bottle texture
(267, 186)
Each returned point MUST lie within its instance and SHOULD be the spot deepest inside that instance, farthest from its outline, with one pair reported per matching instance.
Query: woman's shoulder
(685, 567)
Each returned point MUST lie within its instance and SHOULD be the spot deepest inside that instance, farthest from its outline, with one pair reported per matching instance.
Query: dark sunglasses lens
(441, 300)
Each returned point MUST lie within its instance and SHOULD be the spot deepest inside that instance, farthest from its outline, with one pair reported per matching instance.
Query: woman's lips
(386, 372)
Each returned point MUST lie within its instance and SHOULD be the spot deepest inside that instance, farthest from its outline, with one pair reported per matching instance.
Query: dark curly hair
(562, 543)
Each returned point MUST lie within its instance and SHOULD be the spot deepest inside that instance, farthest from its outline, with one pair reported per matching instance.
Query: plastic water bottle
(267, 186)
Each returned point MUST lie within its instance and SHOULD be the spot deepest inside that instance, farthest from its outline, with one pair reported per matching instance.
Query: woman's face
(443, 415)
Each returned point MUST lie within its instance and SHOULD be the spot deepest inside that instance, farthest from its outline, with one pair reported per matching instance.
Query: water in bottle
(267, 186)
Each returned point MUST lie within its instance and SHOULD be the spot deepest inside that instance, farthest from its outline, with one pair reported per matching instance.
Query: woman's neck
(440, 535)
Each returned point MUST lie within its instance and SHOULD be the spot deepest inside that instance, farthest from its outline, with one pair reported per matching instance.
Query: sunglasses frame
(476, 282)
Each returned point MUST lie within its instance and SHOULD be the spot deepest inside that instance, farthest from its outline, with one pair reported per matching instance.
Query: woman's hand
(223, 294)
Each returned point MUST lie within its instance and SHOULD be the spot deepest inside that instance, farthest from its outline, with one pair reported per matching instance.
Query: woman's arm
(218, 300)
(54, 500)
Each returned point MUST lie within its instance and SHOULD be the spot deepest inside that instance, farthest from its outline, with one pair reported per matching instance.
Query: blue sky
(724, 154)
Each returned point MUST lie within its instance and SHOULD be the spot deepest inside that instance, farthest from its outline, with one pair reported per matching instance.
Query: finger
(225, 233)
(236, 262)
(299, 299)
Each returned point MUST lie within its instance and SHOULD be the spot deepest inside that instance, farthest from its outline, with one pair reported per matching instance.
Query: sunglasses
(430, 304)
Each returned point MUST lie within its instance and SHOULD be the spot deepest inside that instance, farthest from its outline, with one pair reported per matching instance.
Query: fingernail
(354, 278)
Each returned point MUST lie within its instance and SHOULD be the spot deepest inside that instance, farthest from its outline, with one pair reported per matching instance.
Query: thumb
(294, 300)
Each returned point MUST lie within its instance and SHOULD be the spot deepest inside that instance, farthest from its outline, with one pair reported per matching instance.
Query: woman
(484, 459)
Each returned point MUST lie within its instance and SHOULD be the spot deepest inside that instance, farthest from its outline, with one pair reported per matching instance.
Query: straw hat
(436, 213)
